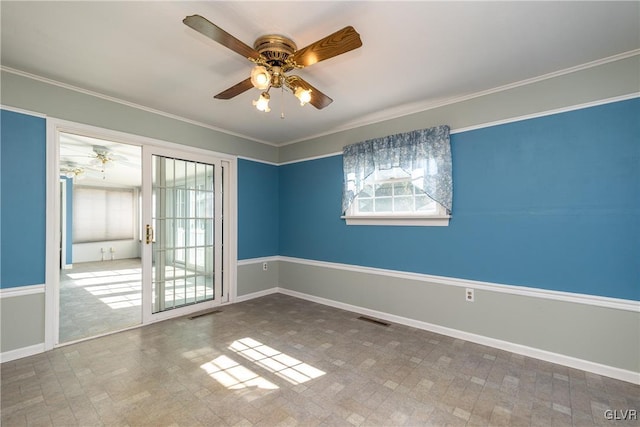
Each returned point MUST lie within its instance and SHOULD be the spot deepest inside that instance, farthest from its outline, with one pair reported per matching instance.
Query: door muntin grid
(183, 217)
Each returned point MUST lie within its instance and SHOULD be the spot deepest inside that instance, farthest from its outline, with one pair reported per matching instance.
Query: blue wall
(551, 202)
(257, 209)
(22, 199)
(68, 182)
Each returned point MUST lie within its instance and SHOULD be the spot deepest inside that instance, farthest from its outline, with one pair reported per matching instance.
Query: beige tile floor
(99, 297)
(279, 360)
(106, 296)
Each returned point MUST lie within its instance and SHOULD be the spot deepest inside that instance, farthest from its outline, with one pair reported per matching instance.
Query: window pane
(365, 205)
(209, 183)
(395, 190)
(383, 204)
(209, 237)
(383, 190)
(403, 204)
(367, 191)
(103, 214)
(191, 194)
(424, 203)
(191, 175)
(402, 188)
(200, 175)
(180, 173)
(168, 171)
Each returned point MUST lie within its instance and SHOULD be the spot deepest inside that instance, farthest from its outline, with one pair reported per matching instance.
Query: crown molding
(128, 104)
(414, 108)
(387, 114)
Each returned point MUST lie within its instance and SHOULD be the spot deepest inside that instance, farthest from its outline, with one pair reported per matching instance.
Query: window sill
(425, 221)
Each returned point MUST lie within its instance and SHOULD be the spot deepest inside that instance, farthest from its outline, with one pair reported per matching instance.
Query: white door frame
(52, 284)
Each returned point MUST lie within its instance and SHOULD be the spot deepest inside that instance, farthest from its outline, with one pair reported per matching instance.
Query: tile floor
(99, 297)
(279, 360)
(106, 296)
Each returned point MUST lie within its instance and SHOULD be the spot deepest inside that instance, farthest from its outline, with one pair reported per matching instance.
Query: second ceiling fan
(274, 56)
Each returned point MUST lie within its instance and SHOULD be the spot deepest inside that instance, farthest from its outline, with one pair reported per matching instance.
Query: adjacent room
(100, 237)
(320, 213)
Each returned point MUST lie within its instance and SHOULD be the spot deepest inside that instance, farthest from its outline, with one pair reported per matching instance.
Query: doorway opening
(100, 282)
(138, 231)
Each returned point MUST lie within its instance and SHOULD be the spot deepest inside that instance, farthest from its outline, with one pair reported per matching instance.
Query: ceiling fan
(274, 56)
(103, 158)
(72, 170)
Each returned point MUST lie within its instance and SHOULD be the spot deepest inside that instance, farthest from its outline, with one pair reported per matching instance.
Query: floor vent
(204, 313)
(372, 320)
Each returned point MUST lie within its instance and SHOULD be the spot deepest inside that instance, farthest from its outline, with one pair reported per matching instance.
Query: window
(102, 214)
(394, 192)
(402, 179)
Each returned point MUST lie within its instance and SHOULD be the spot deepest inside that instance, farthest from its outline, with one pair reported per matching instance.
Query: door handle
(149, 234)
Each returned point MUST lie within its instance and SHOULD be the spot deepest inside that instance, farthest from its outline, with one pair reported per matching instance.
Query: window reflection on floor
(233, 375)
(283, 365)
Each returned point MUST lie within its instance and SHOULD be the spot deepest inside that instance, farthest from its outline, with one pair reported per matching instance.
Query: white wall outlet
(265, 266)
(469, 295)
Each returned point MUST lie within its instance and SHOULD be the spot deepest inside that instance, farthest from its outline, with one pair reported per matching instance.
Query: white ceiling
(79, 152)
(414, 54)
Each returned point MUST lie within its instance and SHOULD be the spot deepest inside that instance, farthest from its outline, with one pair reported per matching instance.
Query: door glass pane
(183, 248)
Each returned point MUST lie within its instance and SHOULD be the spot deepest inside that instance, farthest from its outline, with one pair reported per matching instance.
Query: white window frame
(437, 218)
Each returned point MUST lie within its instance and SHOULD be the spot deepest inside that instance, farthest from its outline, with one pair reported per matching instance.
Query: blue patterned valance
(429, 149)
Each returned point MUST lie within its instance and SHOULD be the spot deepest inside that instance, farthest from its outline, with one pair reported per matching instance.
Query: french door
(184, 221)
(184, 232)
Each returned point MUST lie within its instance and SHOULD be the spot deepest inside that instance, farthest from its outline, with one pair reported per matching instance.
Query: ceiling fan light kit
(274, 56)
(304, 95)
(262, 103)
(72, 171)
(100, 159)
(260, 77)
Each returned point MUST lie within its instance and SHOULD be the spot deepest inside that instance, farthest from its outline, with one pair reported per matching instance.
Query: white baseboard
(253, 295)
(19, 353)
(572, 362)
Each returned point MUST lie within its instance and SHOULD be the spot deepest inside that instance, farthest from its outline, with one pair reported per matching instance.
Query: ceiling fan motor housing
(276, 49)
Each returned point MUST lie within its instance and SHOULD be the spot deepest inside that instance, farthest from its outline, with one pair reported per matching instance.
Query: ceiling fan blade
(318, 99)
(215, 33)
(335, 44)
(235, 90)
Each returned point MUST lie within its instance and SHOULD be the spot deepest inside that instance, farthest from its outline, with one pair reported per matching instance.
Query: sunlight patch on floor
(283, 365)
(123, 301)
(102, 273)
(234, 376)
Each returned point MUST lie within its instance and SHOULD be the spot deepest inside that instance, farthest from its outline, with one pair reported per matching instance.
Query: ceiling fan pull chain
(282, 103)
